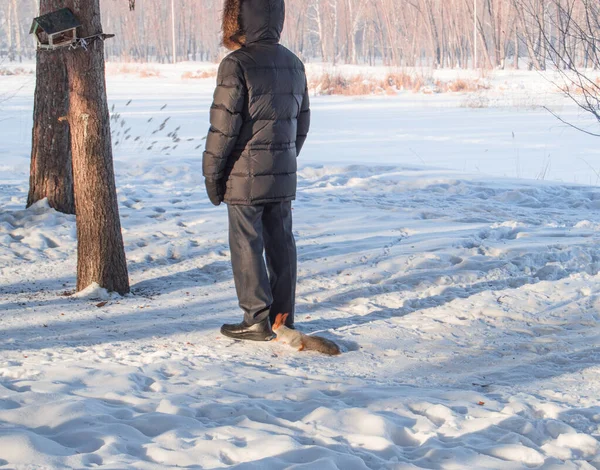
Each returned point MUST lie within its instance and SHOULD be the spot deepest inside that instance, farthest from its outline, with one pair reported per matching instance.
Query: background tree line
(437, 33)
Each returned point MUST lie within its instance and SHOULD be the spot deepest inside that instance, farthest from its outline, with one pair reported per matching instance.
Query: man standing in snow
(259, 119)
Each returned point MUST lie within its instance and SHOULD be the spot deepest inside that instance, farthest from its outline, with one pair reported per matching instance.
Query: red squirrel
(302, 342)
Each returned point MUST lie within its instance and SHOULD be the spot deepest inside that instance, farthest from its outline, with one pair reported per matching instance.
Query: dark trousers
(255, 233)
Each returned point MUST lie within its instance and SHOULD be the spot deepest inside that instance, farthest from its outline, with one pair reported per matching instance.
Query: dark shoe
(258, 332)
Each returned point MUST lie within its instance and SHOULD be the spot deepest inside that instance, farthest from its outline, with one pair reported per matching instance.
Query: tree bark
(51, 175)
(100, 251)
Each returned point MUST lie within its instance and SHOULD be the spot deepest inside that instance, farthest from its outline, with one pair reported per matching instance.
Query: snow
(95, 292)
(459, 274)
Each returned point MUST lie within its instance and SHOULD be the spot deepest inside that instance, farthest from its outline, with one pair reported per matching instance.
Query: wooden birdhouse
(56, 29)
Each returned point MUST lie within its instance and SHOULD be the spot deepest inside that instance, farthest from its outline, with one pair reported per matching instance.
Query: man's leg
(280, 248)
(249, 270)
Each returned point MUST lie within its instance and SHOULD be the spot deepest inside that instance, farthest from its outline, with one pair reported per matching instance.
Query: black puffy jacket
(260, 116)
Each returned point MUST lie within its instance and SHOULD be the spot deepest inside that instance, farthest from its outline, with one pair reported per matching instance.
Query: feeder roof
(56, 22)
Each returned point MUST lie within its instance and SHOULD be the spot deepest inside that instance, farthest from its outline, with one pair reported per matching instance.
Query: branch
(591, 168)
(569, 124)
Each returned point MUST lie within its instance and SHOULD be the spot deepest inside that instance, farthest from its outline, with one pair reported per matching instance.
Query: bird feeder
(56, 29)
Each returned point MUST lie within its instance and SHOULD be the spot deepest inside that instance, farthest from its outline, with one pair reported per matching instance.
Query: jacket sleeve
(303, 122)
(225, 119)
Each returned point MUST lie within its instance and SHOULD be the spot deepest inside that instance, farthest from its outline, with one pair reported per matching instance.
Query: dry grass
(419, 84)
(462, 86)
(148, 72)
(336, 84)
(572, 90)
(15, 72)
(459, 85)
(400, 81)
(360, 85)
(477, 100)
(591, 89)
(128, 69)
(356, 85)
(199, 75)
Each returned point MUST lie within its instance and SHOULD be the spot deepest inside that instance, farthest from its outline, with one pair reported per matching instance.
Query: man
(259, 119)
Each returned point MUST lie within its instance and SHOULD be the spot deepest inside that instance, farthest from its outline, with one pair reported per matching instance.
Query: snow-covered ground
(453, 253)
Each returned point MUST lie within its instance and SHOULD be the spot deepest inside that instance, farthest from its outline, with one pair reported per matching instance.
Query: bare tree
(100, 251)
(569, 32)
(51, 174)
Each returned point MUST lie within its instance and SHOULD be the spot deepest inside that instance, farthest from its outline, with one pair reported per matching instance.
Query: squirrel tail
(322, 345)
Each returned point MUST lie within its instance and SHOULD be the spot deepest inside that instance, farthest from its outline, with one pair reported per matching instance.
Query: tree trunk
(516, 56)
(100, 251)
(336, 32)
(51, 173)
(9, 32)
(17, 23)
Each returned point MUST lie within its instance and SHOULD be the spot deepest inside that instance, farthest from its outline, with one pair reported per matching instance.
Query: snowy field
(452, 251)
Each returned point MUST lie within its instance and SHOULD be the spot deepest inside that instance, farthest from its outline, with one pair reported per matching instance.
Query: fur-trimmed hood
(249, 21)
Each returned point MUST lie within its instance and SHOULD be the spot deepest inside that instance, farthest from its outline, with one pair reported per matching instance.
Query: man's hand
(214, 189)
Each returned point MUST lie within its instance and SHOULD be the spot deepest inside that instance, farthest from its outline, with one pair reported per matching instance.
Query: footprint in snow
(17, 388)
(143, 383)
(9, 404)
